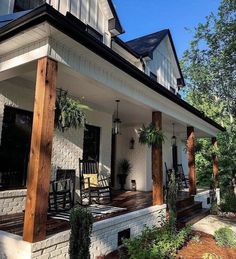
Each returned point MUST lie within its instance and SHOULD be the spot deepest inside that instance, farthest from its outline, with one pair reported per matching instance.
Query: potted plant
(69, 112)
(124, 168)
(150, 135)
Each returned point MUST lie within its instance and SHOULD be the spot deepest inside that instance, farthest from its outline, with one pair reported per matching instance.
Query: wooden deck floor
(130, 200)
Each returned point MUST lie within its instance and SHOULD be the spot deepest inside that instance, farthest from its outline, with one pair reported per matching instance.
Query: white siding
(164, 65)
(88, 11)
(5, 7)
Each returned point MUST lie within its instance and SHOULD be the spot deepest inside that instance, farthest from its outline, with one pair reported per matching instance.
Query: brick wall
(206, 198)
(104, 236)
(12, 201)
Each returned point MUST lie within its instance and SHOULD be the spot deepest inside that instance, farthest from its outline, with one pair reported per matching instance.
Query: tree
(209, 66)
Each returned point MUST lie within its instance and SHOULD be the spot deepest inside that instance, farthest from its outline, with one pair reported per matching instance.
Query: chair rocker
(93, 186)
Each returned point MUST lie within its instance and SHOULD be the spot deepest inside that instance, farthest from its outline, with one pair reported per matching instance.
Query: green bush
(225, 237)
(81, 221)
(228, 203)
(157, 243)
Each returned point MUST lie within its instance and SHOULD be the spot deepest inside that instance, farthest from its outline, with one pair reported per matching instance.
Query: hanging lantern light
(116, 121)
(173, 139)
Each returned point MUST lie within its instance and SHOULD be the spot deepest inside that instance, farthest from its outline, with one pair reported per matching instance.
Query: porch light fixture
(116, 121)
(131, 143)
(173, 139)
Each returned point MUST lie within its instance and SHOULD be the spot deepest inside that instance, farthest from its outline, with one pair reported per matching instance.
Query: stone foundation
(104, 237)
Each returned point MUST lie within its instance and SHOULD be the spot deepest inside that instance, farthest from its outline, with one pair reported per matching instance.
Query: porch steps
(193, 217)
(184, 202)
(189, 211)
(182, 212)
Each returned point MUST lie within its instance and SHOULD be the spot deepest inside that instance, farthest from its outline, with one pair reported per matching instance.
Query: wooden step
(185, 211)
(193, 217)
(185, 202)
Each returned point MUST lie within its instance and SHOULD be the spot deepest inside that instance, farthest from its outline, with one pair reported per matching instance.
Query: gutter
(67, 26)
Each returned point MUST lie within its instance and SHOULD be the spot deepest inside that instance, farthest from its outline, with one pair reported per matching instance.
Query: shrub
(81, 221)
(156, 243)
(228, 203)
(225, 237)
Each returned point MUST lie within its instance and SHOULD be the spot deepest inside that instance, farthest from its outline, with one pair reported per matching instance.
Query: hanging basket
(150, 135)
(69, 112)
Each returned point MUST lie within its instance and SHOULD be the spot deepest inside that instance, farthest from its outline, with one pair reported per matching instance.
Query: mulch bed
(206, 244)
(196, 249)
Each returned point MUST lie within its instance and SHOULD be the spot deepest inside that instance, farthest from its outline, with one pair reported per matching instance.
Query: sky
(141, 17)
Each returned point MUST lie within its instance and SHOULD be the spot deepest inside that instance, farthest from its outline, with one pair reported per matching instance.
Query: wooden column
(39, 170)
(157, 173)
(191, 160)
(215, 161)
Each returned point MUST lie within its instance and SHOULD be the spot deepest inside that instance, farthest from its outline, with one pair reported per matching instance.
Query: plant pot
(122, 180)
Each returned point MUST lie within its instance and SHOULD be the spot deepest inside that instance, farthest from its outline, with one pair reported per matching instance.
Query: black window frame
(153, 76)
(172, 90)
(15, 147)
(97, 35)
(24, 5)
(97, 132)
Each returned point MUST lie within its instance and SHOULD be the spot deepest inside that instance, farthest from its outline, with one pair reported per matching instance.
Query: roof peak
(147, 35)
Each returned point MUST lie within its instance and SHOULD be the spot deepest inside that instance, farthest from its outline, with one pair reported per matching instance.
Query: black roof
(5, 19)
(145, 45)
(79, 34)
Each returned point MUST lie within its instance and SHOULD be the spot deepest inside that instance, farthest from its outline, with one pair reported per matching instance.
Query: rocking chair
(93, 186)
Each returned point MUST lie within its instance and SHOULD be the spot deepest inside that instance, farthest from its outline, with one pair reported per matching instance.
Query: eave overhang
(77, 33)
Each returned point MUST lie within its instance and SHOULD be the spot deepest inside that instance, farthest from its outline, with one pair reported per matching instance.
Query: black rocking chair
(93, 186)
(61, 196)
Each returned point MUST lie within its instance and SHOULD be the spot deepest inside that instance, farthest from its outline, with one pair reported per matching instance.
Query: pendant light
(173, 139)
(116, 121)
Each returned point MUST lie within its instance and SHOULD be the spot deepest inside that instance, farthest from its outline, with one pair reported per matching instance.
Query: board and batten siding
(164, 65)
(88, 11)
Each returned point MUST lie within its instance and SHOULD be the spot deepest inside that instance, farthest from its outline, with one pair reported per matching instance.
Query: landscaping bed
(205, 244)
(201, 245)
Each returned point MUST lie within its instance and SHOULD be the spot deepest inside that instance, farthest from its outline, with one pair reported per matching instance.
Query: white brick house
(81, 38)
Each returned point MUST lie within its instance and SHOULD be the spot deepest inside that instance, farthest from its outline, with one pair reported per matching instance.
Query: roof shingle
(145, 45)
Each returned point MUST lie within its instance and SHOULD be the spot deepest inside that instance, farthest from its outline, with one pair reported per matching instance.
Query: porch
(81, 72)
(189, 209)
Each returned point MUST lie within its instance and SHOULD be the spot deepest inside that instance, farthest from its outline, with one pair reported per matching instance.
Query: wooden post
(215, 162)
(157, 173)
(191, 160)
(39, 171)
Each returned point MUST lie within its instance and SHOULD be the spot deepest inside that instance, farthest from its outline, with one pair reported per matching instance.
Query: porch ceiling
(99, 97)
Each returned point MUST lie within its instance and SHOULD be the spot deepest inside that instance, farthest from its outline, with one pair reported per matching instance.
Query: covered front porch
(30, 87)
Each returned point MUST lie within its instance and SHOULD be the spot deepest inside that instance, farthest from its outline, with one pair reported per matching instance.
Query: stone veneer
(12, 201)
(104, 237)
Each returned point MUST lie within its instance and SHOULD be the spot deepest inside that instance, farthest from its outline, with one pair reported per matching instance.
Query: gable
(165, 49)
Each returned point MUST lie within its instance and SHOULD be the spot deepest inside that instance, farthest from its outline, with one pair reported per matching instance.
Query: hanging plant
(69, 112)
(150, 135)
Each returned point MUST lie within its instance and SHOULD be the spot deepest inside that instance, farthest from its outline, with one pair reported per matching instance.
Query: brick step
(185, 202)
(193, 217)
(185, 211)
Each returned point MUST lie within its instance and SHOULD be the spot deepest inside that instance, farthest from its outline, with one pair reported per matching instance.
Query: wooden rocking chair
(93, 186)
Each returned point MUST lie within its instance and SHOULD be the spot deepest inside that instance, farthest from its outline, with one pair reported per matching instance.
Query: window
(94, 33)
(15, 147)
(23, 5)
(172, 89)
(153, 76)
(91, 144)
